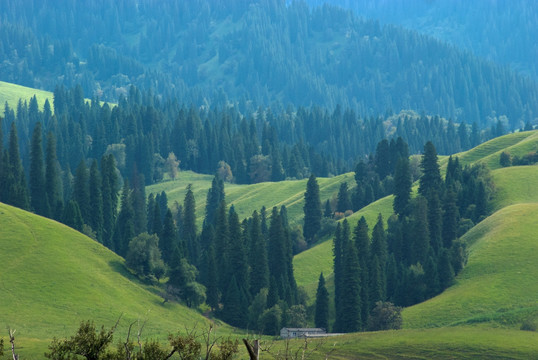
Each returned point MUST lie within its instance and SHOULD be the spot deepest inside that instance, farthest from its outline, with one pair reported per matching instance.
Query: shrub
(385, 316)
(529, 325)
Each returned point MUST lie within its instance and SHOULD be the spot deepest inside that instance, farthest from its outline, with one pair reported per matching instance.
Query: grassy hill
(247, 198)
(11, 94)
(54, 277)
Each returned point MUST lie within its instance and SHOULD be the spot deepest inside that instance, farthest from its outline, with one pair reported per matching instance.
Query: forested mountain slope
(502, 31)
(269, 52)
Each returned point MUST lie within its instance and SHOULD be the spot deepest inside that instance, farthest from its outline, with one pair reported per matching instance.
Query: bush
(529, 325)
(385, 316)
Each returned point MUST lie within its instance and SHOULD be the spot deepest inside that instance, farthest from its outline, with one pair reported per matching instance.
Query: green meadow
(53, 278)
(11, 94)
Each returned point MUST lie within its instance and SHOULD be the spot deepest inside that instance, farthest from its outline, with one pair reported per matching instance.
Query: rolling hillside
(53, 278)
(11, 94)
(508, 231)
(247, 198)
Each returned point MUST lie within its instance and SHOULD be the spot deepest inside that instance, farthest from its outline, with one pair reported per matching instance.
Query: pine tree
(378, 261)
(328, 213)
(211, 281)
(72, 216)
(81, 190)
(38, 195)
(362, 243)
(344, 201)
(168, 237)
(259, 271)
(124, 229)
(276, 250)
(110, 198)
(350, 320)
(402, 187)
(53, 186)
(312, 210)
(450, 218)
(431, 176)
(321, 317)
(222, 241)
(188, 230)
(431, 278)
(96, 214)
(237, 258)
(16, 189)
(420, 231)
(272, 296)
(233, 312)
(138, 201)
(446, 272)
(215, 196)
(435, 225)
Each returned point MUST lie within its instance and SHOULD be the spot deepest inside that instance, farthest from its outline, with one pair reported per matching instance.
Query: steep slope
(498, 285)
(54, 277)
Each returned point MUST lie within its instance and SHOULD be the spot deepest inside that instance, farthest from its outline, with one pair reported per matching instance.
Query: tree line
(271, 52)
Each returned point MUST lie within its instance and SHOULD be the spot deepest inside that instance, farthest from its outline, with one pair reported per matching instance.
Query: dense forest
(254, 53)
(502, 31)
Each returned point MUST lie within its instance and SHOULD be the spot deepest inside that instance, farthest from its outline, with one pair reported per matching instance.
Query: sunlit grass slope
(53, 277)
(489, 152)
(498, 285)
(247, 198)
(12, 93)
(308, 264)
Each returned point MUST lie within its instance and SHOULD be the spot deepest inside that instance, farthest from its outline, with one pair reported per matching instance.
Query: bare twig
(12, 341)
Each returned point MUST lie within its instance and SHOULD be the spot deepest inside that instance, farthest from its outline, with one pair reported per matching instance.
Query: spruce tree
(72, 216)
(450, 218)
(81, 190)
(402, 187)
(378, 261)
(344, 201)
(233, 312)
(53, 186)
(321, 317)
(312, 210)
(110, 182)
(16, 189)
(350, 315)
(328, 213)
(362, 243)
(435, 220)
(446, 272)
(420, 231)
(259, 271)
(222, 241)
(124, 229)
(95, 219)
(431, 176)
(211, 281)
(188, 229)
(215, 196)
(276, 250)
(138, 201)
(237, 257)
(168, 237)
(38, 195)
